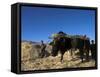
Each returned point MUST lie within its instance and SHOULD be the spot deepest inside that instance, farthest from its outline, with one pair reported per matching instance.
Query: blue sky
(38, 23)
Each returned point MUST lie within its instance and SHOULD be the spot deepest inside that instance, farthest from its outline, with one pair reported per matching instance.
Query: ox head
(56, 46)
(54, 51)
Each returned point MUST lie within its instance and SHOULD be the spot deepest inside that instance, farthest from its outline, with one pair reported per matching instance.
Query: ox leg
(62, 57)
(81, 54)
(87, 55)
(71, 53)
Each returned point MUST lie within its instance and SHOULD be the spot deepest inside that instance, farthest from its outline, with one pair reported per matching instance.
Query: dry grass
(30, 60)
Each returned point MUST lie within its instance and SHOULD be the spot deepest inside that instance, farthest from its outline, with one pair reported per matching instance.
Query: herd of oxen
(63, 44)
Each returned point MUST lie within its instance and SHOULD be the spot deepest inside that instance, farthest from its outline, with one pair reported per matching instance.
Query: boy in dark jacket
(93, 52)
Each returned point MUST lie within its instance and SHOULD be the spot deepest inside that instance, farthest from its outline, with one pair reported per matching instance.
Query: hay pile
(30, 59)
(29, 51)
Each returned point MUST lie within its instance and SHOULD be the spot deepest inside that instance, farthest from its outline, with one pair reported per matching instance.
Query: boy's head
(92, 41)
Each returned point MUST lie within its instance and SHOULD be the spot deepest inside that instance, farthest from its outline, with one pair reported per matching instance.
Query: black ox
(65, 44)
